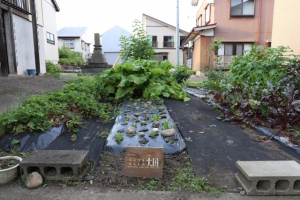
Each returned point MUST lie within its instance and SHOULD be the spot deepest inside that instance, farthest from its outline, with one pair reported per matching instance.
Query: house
(163, 36)
(28, 35)
(238, 23)
(286, 27)
(76, 39)
(110, 43)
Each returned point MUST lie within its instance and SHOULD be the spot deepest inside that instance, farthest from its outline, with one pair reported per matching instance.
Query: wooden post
(35, 37)
(3, 50)
(118, 58)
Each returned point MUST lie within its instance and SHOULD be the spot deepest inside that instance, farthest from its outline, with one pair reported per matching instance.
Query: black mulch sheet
(86, 139)
(215, 146)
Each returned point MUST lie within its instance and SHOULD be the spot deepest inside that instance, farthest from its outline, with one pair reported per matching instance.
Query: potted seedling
(154, 133)
(166, 125)
(9, 168)
(73, 137)
(119, 137)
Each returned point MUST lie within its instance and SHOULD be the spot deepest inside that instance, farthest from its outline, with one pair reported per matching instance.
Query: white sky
(101, 15)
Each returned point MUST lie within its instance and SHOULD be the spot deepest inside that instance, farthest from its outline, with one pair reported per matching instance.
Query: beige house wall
(160, 30)
(286, 25)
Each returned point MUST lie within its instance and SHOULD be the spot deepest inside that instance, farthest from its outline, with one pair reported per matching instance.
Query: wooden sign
(144, 162)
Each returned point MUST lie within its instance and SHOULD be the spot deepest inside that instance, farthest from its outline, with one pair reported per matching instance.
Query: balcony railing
(154, 43)
(20, 5)
(168, 44)
(224, 60)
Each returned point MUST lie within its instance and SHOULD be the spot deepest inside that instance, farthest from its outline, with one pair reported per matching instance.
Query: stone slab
(56, 164)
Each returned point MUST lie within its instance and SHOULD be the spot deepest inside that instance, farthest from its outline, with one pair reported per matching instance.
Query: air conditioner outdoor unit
(190, 44)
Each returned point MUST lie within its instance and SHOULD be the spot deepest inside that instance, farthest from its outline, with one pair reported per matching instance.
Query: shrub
(182, 73)
(138, 45)
(52, 69)
(261, 64)
(69, 57)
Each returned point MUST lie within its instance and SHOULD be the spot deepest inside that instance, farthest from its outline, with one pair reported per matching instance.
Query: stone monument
(98, 62)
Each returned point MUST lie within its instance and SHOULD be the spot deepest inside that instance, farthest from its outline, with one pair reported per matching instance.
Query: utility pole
(177, 34)
(35, 37)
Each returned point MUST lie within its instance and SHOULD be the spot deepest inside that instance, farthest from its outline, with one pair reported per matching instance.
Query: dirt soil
(8, 163)
(14, 88)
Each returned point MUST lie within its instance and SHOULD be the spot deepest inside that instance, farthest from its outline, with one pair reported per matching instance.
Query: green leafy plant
(166, 125)
(214, 45)
(138, 45)
(69, 57)
(156, 117)
(52, 69)
(73, 137)
(78, 99)
(119, 137)
(182, 73)
(153, 133)
(140, 78)
(103, 134)
(262, 64)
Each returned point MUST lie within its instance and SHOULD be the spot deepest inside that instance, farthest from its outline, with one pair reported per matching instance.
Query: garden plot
(144, 124)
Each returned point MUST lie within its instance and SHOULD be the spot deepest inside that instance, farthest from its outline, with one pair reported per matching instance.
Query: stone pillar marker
(98, 61)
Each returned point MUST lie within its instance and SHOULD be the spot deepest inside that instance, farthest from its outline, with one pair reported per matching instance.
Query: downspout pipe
(259, 22)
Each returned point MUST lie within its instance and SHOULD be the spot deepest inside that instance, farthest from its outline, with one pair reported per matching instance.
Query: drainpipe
(259, 21)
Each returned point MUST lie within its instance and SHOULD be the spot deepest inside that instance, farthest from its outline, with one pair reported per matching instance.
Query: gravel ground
(15, 88)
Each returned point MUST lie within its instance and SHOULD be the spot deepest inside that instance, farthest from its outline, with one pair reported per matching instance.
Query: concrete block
(56, 164)
(269, 177)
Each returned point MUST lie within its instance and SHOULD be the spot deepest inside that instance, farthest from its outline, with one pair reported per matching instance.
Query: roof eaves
(180, 30)
(199, 28)
(55, 5)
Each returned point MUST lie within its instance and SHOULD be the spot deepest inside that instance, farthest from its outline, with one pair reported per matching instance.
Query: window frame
(208, 6)
(234, 44)
(49, 39)
(69, 43)
(156, 44)
(242, 16)
(172, 46)
(199, 20)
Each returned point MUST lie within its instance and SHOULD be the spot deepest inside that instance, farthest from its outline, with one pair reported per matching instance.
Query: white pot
(9, 174)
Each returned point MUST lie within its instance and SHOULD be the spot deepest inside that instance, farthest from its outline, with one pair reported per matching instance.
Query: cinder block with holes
(269, 177)
(56, 164)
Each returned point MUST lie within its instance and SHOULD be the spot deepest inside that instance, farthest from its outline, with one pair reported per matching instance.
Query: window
(199, 21)
(69, 43)
(154, 41)
(207, 14)
(242, 8)
(50, 38)
(168, 41)
(82, 44)
(232, 49)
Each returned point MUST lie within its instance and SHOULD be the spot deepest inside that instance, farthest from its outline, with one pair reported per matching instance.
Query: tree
(138, 45)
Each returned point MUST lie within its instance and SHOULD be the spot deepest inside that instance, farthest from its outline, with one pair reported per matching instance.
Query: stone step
(56, 164)
(269, 177)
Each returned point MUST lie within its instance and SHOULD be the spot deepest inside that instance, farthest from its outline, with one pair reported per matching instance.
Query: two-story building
(76, 39)
(26, 42)
(163, 36)
(238, 23)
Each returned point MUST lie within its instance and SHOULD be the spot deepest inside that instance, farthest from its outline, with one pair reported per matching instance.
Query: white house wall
(24, 46)
(49, 13)
(111, 58)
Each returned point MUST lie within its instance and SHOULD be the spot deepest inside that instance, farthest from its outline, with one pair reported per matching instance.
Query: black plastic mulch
(215, 146)
(87, 139)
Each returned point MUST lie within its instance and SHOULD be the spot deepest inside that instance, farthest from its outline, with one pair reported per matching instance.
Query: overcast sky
(101, 15)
